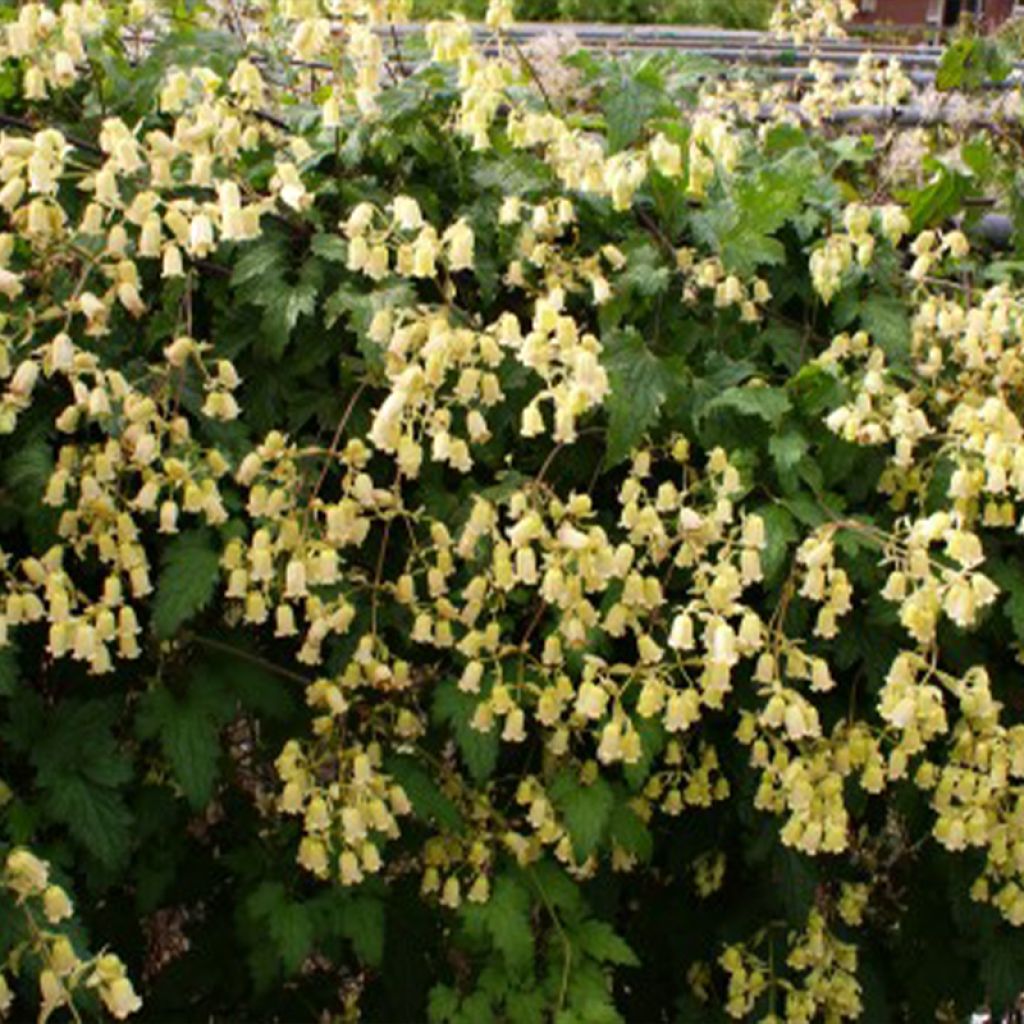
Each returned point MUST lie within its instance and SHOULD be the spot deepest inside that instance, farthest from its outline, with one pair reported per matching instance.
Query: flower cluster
(42, 908)
(823, 982)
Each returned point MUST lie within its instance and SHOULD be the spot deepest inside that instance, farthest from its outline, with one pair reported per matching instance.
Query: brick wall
(997, 11)
(899, 12)
(916, 12)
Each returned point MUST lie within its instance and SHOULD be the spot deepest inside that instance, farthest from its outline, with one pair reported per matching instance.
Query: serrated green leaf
(780, 532)
(969, 63)
(814, 389)
(1007, 575)
(27, 471)
(645, 276)
(479, 750)
(265, 258)
(628, 103)
(740, 225)
(189, 733)
(476, 1009)
(515, 174)
(766, 403)
(886, 320)
(442, 1004)
(1002, 968)
(786, 344)
(363, 924)
(937, 201)
(526, 1007)
(598, 940)
(428, 802)
(292, 929)
(329, 247)
(627, 830)
(287, 923)
(187, 581)
(95, 815)
(584, 809)
(506, 919)
(652, 742)
(81, 770)
(281, 316)
(639, 384)
(795, 881)
(788, 449)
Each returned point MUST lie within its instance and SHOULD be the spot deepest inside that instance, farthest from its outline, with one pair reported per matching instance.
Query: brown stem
(539, 479)
(332, 451)
(253, 659)
(532, 71)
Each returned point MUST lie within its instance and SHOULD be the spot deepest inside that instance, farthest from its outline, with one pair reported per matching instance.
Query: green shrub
(481, 552)
(723, 13)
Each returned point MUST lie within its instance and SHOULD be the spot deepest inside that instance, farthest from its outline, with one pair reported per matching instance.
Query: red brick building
(991, 13)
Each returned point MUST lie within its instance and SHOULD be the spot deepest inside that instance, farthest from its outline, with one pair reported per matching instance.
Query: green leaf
(1002, 968)
(506, 919)
(627, 829)
(267, 257)
(476, 1009)
(768, 404)
(27, 472)
(937, 201)
(428, 802)
(1011, 582)
(281, 316)
(287, 923)
(639, 383)
(585, 810)
(8, 670)
(332, 248)
(189, 732)
(786, 344)
(442, 1004)
(526, 1007)
(814, 389)
(646, 274)
(652, 742)
(293, 931)
(479, 749)
(795, 882)
(741, 224)
(187, 581)
(628, 103)
(971, 62)
(885, 318)
(788, 449)
(95, 815)
(598, 940)
(81, 771)
(363, 924)
(780, 532)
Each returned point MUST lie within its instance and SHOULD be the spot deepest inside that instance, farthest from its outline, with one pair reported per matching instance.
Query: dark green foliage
(154, 789)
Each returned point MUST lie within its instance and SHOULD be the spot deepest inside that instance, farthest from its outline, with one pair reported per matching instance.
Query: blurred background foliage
(723, 13)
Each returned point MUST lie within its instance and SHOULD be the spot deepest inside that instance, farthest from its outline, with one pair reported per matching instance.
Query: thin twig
(528, 64)
(378, 575)
(253, 659)
(566, 942)
(539, 479)
(332, 451)
(534, 622)
(402, 69)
